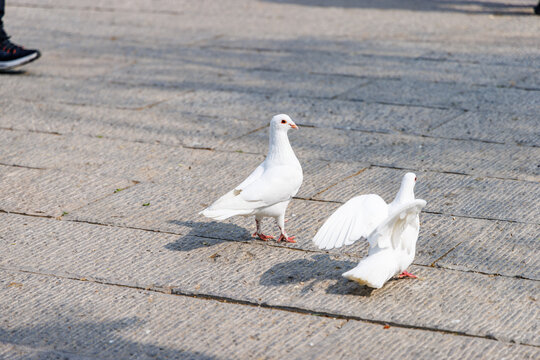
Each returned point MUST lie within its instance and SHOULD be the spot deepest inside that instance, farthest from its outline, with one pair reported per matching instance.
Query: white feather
(269, 188)
(391, 230)
(353, 220)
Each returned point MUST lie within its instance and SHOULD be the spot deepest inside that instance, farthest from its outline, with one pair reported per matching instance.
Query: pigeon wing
(353, 220)
(252, 177)
(276, 184)
(401, 220)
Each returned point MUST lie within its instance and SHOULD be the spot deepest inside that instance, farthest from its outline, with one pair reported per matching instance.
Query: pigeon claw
(407, 274)
(262, 236)
(289, 239)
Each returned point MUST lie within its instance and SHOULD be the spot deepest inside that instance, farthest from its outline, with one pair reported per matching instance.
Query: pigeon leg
(258, 233)
(281, 224)
(407, 274)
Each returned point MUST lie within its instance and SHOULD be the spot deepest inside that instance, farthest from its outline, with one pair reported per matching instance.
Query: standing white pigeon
(270, 188)
(391, 229)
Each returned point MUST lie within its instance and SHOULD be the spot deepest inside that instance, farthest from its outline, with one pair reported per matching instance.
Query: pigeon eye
(283, 121)
(415, 178)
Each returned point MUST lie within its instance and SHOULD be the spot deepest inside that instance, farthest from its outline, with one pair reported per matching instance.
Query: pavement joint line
(385, 132)
(366, 55)
(257, 242)
(431, 128)
(170, 290)
(429, 212)
(273, 93)
(133, 183)
(250, 132)
(97, 9)
(433, 264)
(341, 96)
(341, 180)
(453, 173)
(32, 131)
(24, 166)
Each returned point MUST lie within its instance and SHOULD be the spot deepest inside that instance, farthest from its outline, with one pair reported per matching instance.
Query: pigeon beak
(294, 126)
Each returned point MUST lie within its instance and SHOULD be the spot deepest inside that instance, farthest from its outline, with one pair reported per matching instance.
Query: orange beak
(294, 126)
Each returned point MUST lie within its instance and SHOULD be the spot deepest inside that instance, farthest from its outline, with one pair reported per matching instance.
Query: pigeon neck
(405, 194)
(279, 148)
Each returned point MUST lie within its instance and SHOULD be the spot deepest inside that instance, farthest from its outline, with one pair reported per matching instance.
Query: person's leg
(12, 55)
(3, 34)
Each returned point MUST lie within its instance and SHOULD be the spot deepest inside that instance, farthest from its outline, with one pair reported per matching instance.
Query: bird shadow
(202, 234)
(320, 267)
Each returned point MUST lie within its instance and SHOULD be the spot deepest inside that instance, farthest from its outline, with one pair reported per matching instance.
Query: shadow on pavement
(213, 232)
(75, 339)
(465, 7)
(12, 72)
(320, 267)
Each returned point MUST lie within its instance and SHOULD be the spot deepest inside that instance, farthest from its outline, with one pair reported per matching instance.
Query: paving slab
(344, 344)
(285, 278)
(103, 322)
(52, 192)
(81, 92)
(453, 194)
(490, 126)
(502, 247)
(410, 152)
(139, 114)
(447, 95)
(209, 329)
(166, 125)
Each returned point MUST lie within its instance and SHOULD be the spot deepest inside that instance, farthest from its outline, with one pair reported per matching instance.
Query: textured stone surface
(143, 324)
(274, 276)
(411, 152)
(139, 114)
(449, 193)
(104, 322)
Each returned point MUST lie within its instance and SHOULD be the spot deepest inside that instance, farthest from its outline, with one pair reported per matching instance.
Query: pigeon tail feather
(372, 271)
(222, 214)
(231, 204)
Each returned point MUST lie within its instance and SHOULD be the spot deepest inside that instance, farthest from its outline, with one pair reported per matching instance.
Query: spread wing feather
(353, 220)
(402, 219)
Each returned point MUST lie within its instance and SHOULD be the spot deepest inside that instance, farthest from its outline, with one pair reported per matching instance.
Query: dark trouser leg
(2, 32)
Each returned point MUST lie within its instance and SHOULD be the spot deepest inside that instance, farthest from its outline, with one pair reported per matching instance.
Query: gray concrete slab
(285, 278)
(409, 152)
(495, 127)
(128, 95)
(52, 192)
(102, 322)
(205, 329)
(451, 194)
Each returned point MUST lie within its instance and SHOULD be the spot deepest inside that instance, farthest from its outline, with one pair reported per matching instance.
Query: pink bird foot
(262, 236)
(289, 239)
(407, 274)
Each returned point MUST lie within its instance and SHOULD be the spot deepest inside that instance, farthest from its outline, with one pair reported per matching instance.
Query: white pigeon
(269, 189)
(391, 229)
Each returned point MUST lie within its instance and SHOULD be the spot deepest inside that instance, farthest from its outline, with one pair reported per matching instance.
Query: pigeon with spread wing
(391, 230)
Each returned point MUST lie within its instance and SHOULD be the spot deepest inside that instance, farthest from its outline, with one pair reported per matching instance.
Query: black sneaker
(12, 55)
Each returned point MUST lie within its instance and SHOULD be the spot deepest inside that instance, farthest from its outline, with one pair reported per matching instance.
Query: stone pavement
(166, 104)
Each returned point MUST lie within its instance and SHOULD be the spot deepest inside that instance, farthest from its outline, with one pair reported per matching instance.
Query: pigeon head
(406, 191)
(409, 180)
(282, 122)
